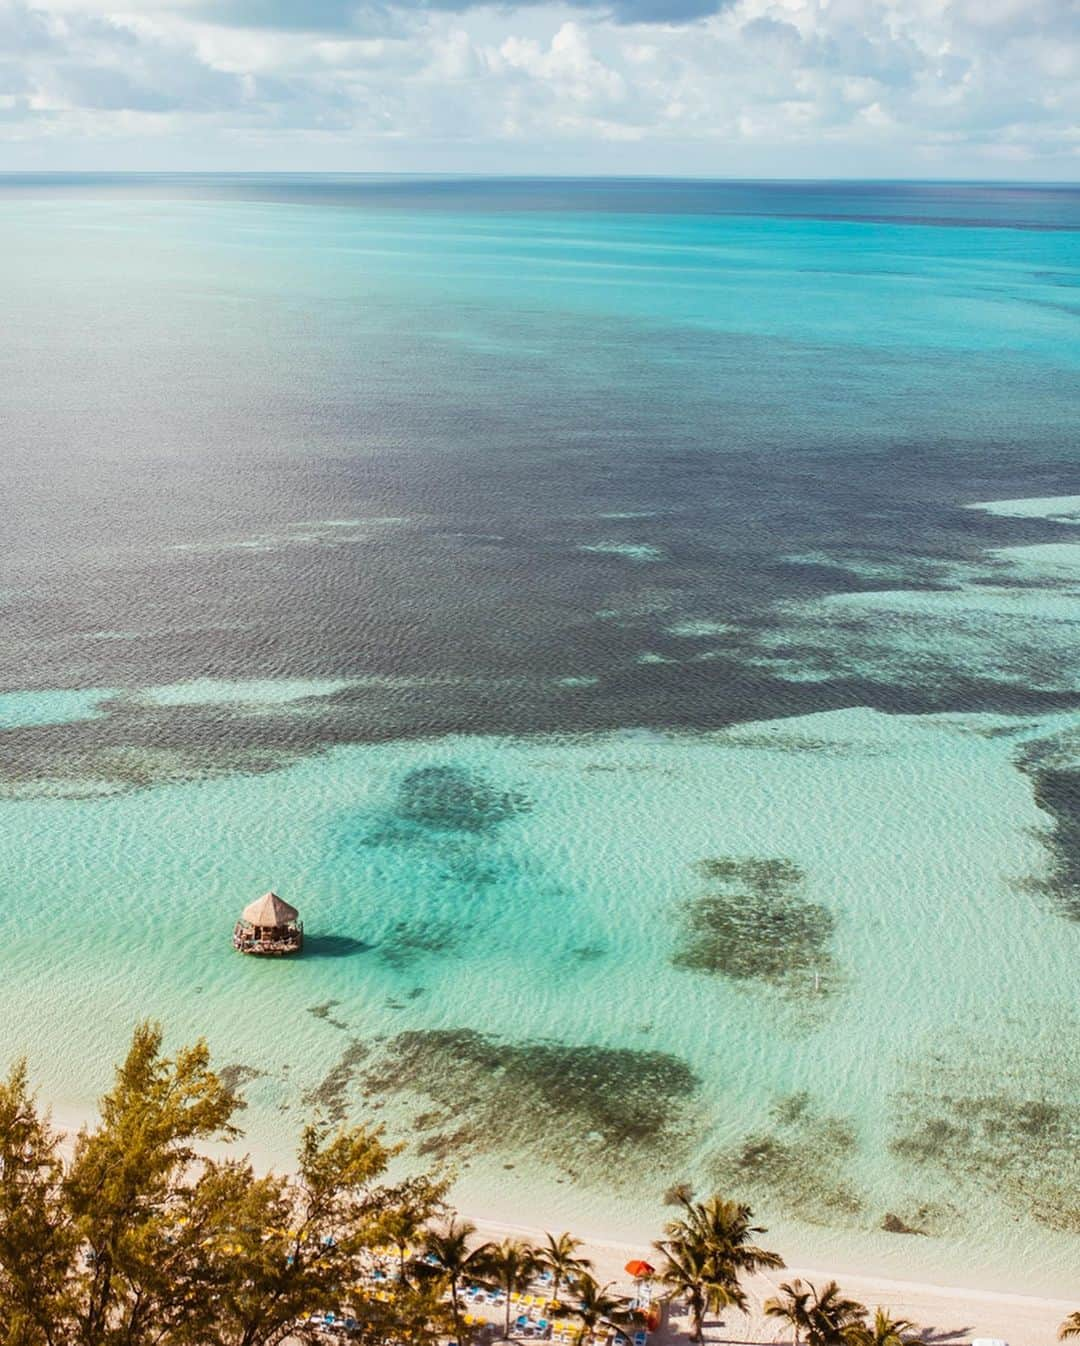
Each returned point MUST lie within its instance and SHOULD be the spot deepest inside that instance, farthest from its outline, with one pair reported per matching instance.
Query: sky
(745, 88)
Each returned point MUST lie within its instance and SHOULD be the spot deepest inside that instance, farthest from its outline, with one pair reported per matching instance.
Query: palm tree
(1070, 1327)
(725, 1228)
(454, 1258)
(888, 1331)
(690, 1272)
(559, 1256)
(792, 1304)
(595, 1307)
(824, 1317)
(709, 1247)
(421, 1201)
(511, 1265)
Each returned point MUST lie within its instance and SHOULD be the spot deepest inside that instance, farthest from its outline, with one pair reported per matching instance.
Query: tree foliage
(141, 1240)
(707, 1249)
(820, 1317)
(559, 1255)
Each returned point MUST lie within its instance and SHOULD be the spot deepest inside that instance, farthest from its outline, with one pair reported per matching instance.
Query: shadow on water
(334, 946)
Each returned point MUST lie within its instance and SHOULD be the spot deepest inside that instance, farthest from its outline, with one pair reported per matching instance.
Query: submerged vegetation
(1016, 1133)
(752, 924)
(453, 798)
(566, 1101)
(1057, 792)
(799, 1165)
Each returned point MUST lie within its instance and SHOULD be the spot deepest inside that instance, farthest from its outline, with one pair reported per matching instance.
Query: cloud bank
(751, 87)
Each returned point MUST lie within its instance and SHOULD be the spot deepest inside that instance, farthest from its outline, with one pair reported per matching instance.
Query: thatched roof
(269, 910)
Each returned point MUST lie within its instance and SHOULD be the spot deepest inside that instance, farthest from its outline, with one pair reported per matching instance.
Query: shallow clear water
(638, 629)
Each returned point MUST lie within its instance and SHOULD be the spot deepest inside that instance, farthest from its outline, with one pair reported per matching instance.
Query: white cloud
(875, 85)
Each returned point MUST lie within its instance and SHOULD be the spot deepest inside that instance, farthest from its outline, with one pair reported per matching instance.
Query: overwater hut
(269, 927)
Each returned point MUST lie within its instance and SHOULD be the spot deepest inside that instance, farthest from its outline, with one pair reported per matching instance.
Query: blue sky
(753, 88)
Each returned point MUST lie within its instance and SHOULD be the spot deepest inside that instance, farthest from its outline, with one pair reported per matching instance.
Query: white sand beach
(945, 1313)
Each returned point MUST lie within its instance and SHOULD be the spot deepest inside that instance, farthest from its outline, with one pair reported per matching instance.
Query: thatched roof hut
(269, 911)
(269, 925)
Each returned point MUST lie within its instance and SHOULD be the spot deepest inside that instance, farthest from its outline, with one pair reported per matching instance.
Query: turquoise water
(641, 641)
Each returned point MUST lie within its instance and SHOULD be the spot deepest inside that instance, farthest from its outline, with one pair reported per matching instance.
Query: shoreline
(948, 1313)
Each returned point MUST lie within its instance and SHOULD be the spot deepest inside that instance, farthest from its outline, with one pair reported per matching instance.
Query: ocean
(634, 621)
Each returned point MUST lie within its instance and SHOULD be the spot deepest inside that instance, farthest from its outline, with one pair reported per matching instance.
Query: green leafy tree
(128, 1181)
(419, 1201)
(689, 1272)
(559, 1255)
(450, 1251)
(38, 1247)
(274, 1247)
(139, 1241)
(411, 1315)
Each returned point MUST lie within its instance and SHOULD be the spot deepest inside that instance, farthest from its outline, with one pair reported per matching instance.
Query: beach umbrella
(638, 1269)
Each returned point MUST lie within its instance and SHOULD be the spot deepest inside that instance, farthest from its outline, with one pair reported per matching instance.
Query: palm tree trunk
(456, 1309)
(506, 1334)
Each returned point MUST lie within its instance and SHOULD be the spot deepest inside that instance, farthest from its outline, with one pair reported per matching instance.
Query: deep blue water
(749, 379)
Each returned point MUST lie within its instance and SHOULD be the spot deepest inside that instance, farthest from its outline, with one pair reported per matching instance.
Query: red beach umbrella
(638, 1269)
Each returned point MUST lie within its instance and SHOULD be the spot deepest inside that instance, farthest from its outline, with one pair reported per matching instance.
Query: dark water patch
(235, 1076)
(141, 747)
(333, 946)
(408, 942)
(449, 814)
(323, 1012)
(752, 924)
(1057, 793)
(77, 766)
(330, 1096)
(446, 1145)
(1017, 1141)
(771, 876)
(574, 419)
(589, 953)
(797, 1165)
(929, 1219)
(590, 1106)
(450, 797)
